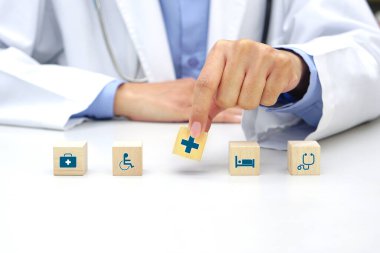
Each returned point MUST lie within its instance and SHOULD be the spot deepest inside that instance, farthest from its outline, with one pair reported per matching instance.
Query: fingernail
(195, 129)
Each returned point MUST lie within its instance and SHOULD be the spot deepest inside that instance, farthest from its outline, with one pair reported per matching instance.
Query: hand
(243, 74)
(162, 102)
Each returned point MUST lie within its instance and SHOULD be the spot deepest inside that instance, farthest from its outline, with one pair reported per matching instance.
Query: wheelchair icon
(126, 163)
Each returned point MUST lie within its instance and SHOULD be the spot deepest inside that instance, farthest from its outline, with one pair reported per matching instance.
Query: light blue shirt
(186, 23)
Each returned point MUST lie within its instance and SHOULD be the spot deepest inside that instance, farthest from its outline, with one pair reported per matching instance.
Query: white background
(180, 205)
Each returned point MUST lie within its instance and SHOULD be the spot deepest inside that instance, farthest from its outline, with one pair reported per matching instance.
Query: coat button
(193, 62)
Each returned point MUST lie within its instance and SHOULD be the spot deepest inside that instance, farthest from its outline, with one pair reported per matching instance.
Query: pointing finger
(205, 90)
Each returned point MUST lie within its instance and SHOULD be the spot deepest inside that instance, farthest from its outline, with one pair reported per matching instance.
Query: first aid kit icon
(68, 161)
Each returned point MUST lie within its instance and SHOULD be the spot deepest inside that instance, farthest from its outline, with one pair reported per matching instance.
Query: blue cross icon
(189, 144)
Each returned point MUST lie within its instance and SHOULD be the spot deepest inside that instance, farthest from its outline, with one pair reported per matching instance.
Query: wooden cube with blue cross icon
(188, 146)
(70, 158)
(127, 158)
(304, 157)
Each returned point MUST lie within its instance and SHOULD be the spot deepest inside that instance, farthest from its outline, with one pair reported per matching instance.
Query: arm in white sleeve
(343, 39)
(103, 105)
(34, 90)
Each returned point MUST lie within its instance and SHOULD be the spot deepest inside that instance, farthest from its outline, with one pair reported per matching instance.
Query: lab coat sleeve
(103, 105)
(343, 38)
(34, 91)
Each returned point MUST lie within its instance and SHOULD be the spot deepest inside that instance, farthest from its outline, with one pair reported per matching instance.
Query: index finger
(204, 91)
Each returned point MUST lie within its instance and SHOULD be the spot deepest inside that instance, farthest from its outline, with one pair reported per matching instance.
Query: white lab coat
(54, 62)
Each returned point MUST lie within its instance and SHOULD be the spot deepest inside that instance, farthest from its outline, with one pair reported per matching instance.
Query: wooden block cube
(244, 158)
(304, 157)
(186, 146)
(70, 158)
(127, 159)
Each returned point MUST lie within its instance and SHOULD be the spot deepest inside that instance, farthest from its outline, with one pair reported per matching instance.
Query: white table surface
(180, 205)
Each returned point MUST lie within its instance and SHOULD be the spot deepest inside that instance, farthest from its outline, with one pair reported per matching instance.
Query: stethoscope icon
(306, 164)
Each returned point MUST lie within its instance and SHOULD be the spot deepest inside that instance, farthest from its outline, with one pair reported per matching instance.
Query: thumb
(214, 110)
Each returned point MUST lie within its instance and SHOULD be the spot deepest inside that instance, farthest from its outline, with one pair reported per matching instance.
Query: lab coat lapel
(225, 20)
(146, 27)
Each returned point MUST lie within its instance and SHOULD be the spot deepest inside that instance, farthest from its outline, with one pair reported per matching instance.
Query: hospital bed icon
(244, 162)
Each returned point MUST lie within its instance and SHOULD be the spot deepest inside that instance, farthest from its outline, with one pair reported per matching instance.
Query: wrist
(123, 99)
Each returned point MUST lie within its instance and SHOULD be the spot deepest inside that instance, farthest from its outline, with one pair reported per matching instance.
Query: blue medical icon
(305, 165)
(189, 144)
(126, 163)
(68, 161)
(244, 162)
